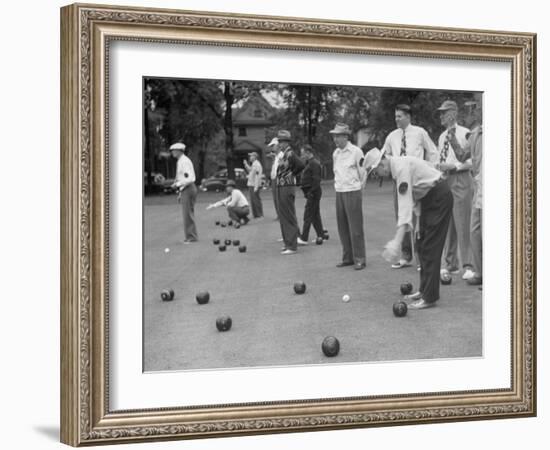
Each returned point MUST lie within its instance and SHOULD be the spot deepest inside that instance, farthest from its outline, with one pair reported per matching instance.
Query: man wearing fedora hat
(254, 174)
(408, 140)
(187, 191)
(457, 247)
(349, 178)
(289, 166)
(236, 204)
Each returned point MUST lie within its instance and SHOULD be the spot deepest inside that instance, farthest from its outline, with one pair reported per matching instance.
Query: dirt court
(271, 324)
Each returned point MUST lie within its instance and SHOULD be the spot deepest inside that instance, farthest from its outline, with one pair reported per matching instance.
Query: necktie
(446, 145)
(403, 145)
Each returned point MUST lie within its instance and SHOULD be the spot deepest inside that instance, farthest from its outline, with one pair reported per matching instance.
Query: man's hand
(445, 166)
(392, 251)
(210, 206)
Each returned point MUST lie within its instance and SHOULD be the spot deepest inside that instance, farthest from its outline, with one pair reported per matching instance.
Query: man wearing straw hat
(289, 166)
(349, 178)
(457, 247)
(187, 191)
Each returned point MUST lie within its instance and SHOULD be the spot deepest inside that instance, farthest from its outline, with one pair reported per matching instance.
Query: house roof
(255, 111)
(247, 146)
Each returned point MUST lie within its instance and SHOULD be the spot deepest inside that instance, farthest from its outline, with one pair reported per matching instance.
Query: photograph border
(86, 31)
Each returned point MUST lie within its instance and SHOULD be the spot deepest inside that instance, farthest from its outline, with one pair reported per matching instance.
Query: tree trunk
(149, 157)
(228, 128)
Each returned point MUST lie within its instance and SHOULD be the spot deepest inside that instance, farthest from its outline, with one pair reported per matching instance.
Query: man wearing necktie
(457, 251)
(408, 140)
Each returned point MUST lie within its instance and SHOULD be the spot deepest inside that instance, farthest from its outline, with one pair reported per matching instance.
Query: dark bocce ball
(216, 241)
(236, 242)
(325, 235)
(230, 223)
(221, 248)
(299, 287)
(237, 225)
(406, 288)
(446, 279)
(227, 242)
(167, 295)
(224, 323)
(217, 222)
(203, 297)
(330, 346)
(319, 241)
(223, 224)
(400, 309)
(242, 249)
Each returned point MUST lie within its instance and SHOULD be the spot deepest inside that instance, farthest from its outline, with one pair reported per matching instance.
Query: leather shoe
(344, 264)
(359, 266)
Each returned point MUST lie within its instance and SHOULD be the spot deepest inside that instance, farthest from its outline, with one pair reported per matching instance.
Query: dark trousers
(436, 211)
(406, 243)
(312, 214)
(238, 212)
(188, 199)
(255, 202)
(349, 218)
(275, 198)
(287, 216)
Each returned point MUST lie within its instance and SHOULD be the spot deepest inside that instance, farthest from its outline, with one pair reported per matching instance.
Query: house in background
(250, 124)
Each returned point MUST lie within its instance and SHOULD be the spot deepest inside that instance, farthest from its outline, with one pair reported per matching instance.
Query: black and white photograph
(298, 224)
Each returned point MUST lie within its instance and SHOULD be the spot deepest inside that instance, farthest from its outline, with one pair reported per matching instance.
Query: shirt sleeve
(296, 163)
(231, 200)
(185, 173)
(432, 153)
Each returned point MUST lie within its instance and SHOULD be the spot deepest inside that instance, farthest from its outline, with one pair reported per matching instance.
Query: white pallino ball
(346, 298)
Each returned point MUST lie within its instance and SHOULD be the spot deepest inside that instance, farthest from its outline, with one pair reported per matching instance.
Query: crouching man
(421, 190)
(236, 204)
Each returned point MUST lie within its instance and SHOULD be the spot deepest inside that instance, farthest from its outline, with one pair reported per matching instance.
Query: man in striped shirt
(288, 167)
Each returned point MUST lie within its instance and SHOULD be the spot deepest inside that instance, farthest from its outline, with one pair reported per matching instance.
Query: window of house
(242, 131)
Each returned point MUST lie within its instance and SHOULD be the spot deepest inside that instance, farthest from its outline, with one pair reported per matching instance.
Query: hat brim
(337, 132)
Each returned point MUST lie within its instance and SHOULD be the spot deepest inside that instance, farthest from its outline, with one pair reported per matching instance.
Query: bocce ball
(400, 309)
(319, 241)
(299, 287)
(325, 236)
(242, 249)
(237, 225)
(166, 250)
(346, 298)
(406, 288)
(223, 225)
(330, 346)
(217, 222)
(446, 279)
(224, 323)
(167, 295)
(216, 241)
(203, 298)
(221, 248)
(227, 242)
(236, 242)
(229, 223)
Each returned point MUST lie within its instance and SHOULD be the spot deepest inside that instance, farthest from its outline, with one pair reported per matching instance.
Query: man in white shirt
(236, 204)
(187, 191)
(458, 252)
(254, 184)
(277, 154)
(349, 179)
(408, 140)
(421, 191)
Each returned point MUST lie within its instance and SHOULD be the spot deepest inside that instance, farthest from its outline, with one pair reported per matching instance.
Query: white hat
(273, 142)
(178, 146)
(373, 158)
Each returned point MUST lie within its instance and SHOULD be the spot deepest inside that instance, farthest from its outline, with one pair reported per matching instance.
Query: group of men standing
(437, 195)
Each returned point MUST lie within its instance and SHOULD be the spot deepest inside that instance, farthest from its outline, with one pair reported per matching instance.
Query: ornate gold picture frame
(87, 32)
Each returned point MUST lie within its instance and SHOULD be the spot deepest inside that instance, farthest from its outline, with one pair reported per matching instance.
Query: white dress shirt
(349, 174)
(236, 198)
(461, 134)
(414, 178)
(185, 173)
(418, 144)
(276, 161)
(254, 174)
